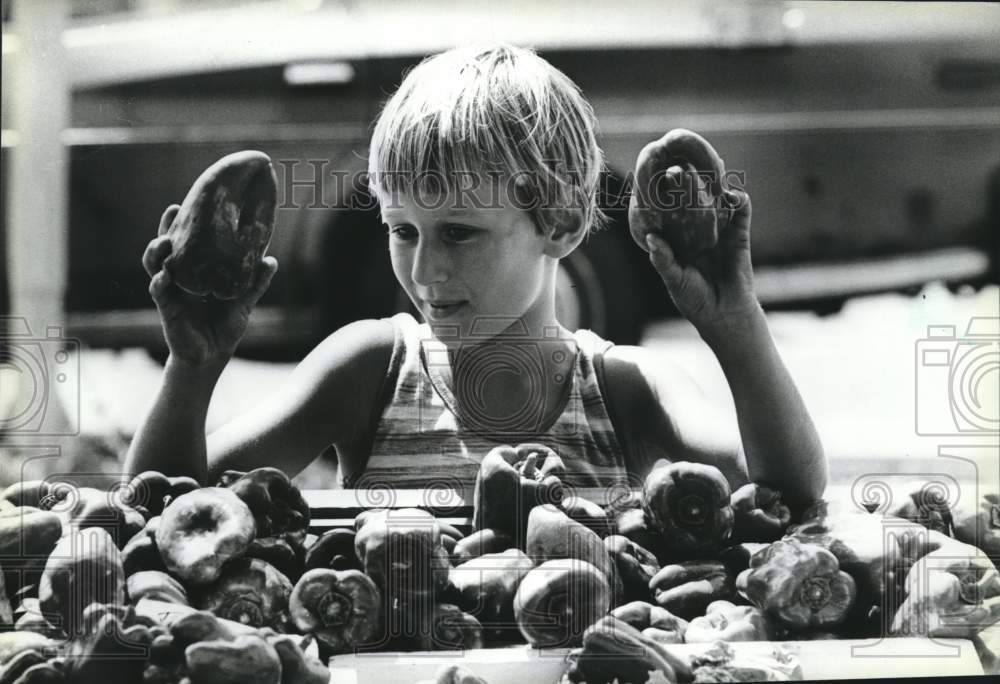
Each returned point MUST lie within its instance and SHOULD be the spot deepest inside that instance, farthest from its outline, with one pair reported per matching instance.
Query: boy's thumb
(662, 257)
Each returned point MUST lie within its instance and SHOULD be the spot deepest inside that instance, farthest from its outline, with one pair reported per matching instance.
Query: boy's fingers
(662, 258)
(738, 206)
(159, 285)
(266, 269)
(157, 250)
(167, 218)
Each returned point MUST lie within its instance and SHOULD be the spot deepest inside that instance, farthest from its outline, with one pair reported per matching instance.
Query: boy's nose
(430, 265)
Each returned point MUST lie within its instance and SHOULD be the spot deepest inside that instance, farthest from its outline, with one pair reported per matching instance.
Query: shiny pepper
(614, 651)
(799, 585)
(686, 589)
(759, 514)
(689, 505)
(277, 505)
(724, 621)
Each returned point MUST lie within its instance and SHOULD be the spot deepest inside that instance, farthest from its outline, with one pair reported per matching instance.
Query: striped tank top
(420, 442)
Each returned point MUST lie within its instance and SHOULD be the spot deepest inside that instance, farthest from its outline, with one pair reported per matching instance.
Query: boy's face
(471, 256)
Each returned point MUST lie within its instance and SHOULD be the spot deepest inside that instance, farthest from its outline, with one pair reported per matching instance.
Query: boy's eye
(402, 232)
(458, 232)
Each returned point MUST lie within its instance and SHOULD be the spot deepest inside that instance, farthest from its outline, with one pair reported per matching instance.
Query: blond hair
(499, 110)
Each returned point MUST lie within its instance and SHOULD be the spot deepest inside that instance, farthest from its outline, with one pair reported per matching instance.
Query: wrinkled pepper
(82, 507)
(277, 505)
(799, 585)
(510, 482)
(758, 513)
(401, 551)
(201, 530)
(922, 503)
(85, 567)
(557, 600)
(634, 565)
(724, 621)
(655, 622)
(247, 659)
(455, 630)
(249, 591)
(950, 596)
(152, 491)
(976, 521)
(333, 550)
(614, 651)
(342, 608)
(689, 505)
(686, 589)
(486, 587)
(113, 645)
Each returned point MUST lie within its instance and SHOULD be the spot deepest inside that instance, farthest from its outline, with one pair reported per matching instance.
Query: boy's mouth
(443, 309)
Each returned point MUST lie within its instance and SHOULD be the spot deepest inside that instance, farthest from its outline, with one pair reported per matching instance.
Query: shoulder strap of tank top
(619, 421)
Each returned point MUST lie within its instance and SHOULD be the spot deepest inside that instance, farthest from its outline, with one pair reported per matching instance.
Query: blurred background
(868, 135)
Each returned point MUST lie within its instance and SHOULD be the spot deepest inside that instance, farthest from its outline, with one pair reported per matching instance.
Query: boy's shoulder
(357, 352)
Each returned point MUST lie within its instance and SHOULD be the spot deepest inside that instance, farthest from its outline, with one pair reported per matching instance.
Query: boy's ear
(564, 230)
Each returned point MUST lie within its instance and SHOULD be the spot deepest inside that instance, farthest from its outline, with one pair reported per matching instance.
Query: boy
(486, 166)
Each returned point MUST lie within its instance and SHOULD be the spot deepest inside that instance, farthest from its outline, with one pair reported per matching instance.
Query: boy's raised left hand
(716, 288)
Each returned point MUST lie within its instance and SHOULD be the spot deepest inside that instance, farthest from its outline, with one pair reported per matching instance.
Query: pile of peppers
(685, 559)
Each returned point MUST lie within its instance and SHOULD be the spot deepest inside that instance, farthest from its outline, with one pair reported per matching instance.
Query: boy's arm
(326, 400)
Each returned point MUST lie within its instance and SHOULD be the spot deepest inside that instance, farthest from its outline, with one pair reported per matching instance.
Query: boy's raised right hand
(200, 331)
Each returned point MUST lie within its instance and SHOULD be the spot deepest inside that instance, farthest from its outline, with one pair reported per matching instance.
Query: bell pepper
(20, 651)
(589, 514)
(82, 507)
(249, 591)
(27, 532)
(654, 622)
(557, 600)
(736, 558)
(686, 589)
(113, 645)
(141, 553)
(552, 534)
(334, 550)
(799, 585)
(277, 505)
(950, 596)
(724, 621)
(688, 504)
(156, 585)
(201, 530)
(634, 565)
(26, 493)
(758, 513)
(480, 543)
(401, 551)
(485, 588)
(84, 567)
(342, 608)
(510, 482)
(455, 630)
(866, 552)
(454, 674)
(153, 490)
(284, 553)
(296, 666)
(634, 525)
(976, 521)
(614, 651)
(247, 659)
(721, 664)
(922, 503)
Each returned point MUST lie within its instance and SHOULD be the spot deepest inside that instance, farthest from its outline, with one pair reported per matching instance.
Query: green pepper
(153, 490)
(654, 622)
(759, 514)
(342, 608)
(950, 596)
(634, 565)
(557, 600)
(277, 505)
(724, 621)
(614, 651)
(686, 589)
(82, 507)
(249, 591)
(401, 551)
(688, 504)
(486, 587)
(799, 585)
(84, 567)
(510, 482)
(976, 521)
